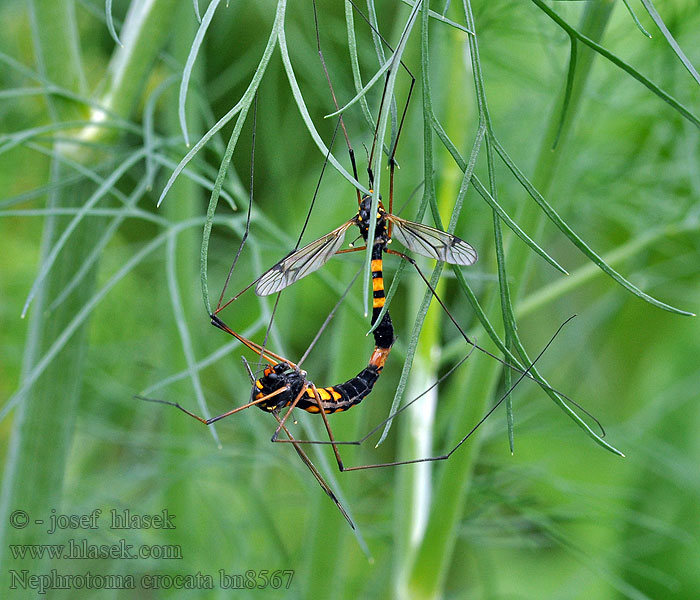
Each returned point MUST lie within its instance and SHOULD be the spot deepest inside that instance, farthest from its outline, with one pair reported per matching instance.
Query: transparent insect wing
(433, 243)
(302, 262)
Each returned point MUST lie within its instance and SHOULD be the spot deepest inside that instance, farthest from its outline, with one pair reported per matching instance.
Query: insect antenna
(211, 420)
(246, 364)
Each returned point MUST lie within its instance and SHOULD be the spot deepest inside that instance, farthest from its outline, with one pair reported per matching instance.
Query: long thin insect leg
(221, 306)
(289, 412)
(405, 407)
(327, 425)
(457, 325)
(331, 439)
(392, 416)
(525, 372)
(335, 102)
(392, 151)
(238, 295)
(268, 355)
(328, 319)
(215, 419)
(307, 461)
(392, 157)
(392, 165)
(346, 250)
(403, 118)
(447, 455)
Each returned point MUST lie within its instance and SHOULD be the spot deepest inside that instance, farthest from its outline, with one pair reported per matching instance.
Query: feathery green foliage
(117, 238)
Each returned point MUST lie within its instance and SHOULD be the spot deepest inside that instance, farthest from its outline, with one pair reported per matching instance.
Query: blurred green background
(117, 304)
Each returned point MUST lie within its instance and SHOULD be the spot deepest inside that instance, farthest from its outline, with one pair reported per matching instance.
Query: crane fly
(421, 239)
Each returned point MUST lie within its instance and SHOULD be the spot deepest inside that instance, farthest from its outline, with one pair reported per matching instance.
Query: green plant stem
(179, 290)
(433, 558)
(414, 482)
(589, 271)
(44, 422)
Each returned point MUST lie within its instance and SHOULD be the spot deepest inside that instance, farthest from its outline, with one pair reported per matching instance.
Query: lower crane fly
(284, 385)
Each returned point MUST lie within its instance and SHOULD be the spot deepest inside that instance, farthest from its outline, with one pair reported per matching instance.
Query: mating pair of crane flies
(283, 384)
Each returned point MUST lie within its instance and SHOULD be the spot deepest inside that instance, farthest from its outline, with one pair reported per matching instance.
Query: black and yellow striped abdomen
(341, 397)
(384, 333)
(335, 398)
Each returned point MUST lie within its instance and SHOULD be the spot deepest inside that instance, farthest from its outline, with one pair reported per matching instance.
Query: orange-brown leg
(214, 419)
(289, 412)
(307, 461)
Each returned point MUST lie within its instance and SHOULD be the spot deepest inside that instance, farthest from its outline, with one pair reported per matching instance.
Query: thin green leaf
(656, 17)
(61, 241)
(438, 17)
(509, 326)
(590, 271)
(207, 361)
(382, 69)
(381, 58)
(564, 406)
(304, 112)
(245, 100)
(211, 208)
(12, 140)
(637, 22)
(82, 315)
(148, 128)
(95, 253)
(428, 194)
(491, 201)
(184, 333)
(618, 63)
(110, 22)
(196, 177)
(576, 240)
(568, 90)
(394, 62)
(189, 65)
(355, 64)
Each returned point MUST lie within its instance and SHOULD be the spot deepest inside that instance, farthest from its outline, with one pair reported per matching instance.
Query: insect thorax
(276, 377)
(363, 221)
